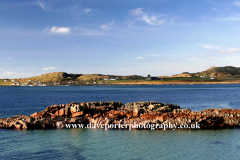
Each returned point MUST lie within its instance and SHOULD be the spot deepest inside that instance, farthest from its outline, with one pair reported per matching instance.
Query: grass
(2, 83)
(124, 81)
(5, 83)
(184, 80)
(174, 79)
(189, 79)
(167, 80)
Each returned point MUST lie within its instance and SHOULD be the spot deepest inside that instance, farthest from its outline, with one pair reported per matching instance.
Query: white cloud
(137, 11)
(104, 26)
(139, 57)
(48, 68)
(209, 46)
(230, 50)
(87, 10)
(9, 73)
(60, 30)
(8, 58)
(149, 19)
(46, 29)
(60, 6)
(41, 5)
(107, 26)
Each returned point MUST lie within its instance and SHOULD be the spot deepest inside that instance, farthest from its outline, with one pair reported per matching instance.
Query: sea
(119, 144)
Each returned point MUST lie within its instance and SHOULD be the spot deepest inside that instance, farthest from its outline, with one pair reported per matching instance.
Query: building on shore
(152, 78)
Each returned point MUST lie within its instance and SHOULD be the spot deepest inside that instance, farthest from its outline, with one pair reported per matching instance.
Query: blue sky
(157, 37)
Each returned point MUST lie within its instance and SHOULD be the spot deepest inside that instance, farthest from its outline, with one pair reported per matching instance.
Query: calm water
(115, 144)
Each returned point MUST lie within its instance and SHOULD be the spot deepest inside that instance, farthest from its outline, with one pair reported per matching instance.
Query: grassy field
(179, 80)
(124, 81)
(2, 83)
(167, 80)
(189, 79)
(9, 83)
(5, 83)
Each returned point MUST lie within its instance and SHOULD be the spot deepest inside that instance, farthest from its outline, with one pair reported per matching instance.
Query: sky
(121, 37)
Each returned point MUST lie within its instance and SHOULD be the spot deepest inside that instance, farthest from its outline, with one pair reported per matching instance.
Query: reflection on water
(27, 100)
(120, 144)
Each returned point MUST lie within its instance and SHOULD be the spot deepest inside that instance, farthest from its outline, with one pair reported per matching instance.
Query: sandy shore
(171, 83)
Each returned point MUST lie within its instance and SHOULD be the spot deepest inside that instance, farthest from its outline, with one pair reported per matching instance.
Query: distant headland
(213, 75)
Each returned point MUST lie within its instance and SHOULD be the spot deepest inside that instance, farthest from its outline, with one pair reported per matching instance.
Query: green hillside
(227, 71)
(53, 77)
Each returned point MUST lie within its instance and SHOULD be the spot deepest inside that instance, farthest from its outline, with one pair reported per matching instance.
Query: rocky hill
(63, 76)
(185, 74)
(227, 71)
(221, 71)
(53, 77)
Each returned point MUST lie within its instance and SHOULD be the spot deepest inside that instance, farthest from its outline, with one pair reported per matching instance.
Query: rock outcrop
(112, 113)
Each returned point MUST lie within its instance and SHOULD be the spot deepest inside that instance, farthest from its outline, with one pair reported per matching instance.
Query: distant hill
(53, 77)
(63, 76)
(228, 71)
(184, 74)
(93, 76)
(221, 71)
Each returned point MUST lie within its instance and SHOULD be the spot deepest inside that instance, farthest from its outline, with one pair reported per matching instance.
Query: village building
(152, 78)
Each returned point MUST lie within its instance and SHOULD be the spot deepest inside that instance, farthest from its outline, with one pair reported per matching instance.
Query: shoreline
(140, 83)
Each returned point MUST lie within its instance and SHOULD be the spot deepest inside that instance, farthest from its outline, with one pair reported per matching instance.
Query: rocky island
(110, 113)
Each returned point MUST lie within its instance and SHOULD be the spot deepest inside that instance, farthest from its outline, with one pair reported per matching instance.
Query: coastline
(135, 83)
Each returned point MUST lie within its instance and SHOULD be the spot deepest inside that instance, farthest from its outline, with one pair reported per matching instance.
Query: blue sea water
(118, 144)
